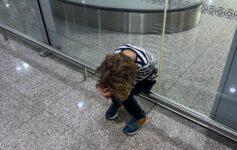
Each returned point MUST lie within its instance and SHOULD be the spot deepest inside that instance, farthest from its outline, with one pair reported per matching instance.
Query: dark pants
(130, 104)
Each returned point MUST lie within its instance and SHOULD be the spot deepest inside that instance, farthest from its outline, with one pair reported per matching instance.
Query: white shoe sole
(112, 118)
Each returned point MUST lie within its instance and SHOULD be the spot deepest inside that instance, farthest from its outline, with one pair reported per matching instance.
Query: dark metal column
(42, 27)
(225, 105)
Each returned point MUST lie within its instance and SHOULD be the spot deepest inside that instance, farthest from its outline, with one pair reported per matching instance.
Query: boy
(128, 72)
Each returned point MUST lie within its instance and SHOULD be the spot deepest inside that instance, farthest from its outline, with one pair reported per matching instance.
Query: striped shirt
(147, 69)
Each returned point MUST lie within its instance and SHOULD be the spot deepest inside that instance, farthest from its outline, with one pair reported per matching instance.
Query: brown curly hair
(116, 73)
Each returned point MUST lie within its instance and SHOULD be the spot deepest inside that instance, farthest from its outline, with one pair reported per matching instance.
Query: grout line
(21, 125)
(121, 143)
(152, 108)
(73, 130)
(88, 142)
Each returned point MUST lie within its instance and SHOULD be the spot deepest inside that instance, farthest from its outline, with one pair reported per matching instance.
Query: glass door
(194, 62)
(190, 40)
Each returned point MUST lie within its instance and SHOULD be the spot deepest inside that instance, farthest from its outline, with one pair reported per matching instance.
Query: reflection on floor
(45, 104)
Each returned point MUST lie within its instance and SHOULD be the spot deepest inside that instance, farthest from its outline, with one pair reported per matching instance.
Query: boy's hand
(105, 93)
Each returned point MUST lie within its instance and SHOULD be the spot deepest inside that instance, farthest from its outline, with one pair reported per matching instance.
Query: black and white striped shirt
(147, 69)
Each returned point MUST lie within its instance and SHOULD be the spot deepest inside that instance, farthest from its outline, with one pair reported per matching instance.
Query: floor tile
(8, 63)
(3, 131)
(57, 67)
(65, 72)
(86, 116)
(181, 130)
(15, 103)
(53, 65)
(13, 100)
(40, 87)
(15, 109)
(45, 132)
(9, 123)
(169, 131)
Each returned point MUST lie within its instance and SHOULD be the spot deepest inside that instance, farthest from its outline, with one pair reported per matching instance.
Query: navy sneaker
(112, 112)
(134, 125)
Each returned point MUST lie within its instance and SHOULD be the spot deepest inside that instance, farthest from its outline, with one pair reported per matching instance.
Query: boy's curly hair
(116, 73)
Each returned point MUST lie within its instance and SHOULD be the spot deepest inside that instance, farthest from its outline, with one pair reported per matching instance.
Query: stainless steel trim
(191, 115)
(175, 7)
(128, 22)
(160, 100)
(85, 74)
(44, 53)
(40, 21)
(4, 34)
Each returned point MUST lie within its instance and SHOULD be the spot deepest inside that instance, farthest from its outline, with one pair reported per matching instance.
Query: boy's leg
(134, 109)
(113, 110)
(139, 118)
(115, 101)
(131, 105)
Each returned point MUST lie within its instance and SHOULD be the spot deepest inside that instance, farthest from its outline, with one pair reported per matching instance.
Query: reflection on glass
(20, 16)
(193, 59)
(232, 90)
(136, 4)
(82, 33)
(7, 5)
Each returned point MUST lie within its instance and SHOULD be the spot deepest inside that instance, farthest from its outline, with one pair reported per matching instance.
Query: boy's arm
(105, 93)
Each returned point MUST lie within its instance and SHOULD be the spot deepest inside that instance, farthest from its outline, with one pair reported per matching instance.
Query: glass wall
(191, 52)
(87, 30)
(194, 60)
(20, 15)
(83, 30)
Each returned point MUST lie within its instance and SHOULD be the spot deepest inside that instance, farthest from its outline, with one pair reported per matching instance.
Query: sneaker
(112, 112)
(134, 125)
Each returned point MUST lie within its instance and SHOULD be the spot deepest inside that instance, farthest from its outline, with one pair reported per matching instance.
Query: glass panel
(88, 34)
(194, 59)
(196, 44)
(85, 31)
(133, 4)
(225, 105)
(20, 16)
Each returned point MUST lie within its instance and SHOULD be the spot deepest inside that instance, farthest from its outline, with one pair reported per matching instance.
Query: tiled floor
(45, 104)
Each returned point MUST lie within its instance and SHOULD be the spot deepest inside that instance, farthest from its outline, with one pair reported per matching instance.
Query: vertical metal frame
(49, 23)
(225, 75)
(39, 17)
(46, 22)
(4, 34)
